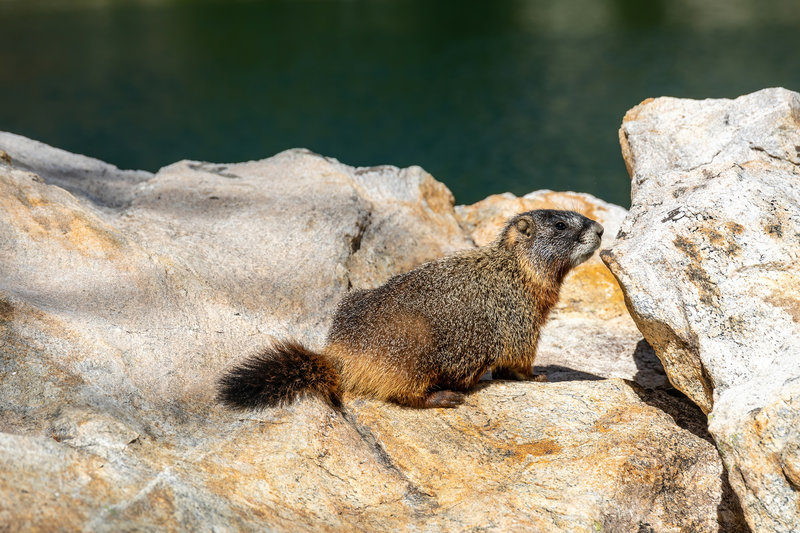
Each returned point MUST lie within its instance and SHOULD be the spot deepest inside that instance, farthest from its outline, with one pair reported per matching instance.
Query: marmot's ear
(524, 226)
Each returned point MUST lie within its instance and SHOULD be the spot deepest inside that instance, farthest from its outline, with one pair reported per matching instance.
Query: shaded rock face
(708, 259)
(124, 299)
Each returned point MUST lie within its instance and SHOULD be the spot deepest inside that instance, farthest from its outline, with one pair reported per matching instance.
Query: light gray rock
(101, 183)
(206, 263)
(708, 260)
(116, 319)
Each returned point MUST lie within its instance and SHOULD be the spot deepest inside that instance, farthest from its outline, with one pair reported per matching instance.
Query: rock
(708, 261)
(96, 431)
(118, 312)
(573, 456)
(552, 460)
(103, 184)
(192, 266)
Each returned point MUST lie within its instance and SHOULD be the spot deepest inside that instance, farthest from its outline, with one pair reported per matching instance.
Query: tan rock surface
(573, 456)
(708, 260)
(117, 317)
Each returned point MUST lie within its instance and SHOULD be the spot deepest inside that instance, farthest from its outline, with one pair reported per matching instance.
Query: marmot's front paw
(517, 374)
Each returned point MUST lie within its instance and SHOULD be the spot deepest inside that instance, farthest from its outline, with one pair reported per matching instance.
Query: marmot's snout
(589, 242)
(593, 233)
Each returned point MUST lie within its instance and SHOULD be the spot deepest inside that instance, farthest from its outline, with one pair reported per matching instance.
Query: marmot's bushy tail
(277, 376)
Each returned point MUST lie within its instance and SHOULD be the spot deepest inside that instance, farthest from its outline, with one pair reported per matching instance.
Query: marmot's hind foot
(444, 398)
(439, 398)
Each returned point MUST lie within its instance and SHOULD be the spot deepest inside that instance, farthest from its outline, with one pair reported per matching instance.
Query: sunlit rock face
(124, 296)
(708, 260)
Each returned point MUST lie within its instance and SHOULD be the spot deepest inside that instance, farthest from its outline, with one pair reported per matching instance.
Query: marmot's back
(445, 317)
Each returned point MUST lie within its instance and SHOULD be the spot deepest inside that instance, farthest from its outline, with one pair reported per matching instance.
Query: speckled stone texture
(708, 260)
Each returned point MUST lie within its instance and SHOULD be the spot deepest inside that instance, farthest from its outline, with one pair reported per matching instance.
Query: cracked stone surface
(124, 295)
(708, 260)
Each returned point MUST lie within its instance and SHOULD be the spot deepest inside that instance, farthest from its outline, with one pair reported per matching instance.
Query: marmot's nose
(598, 228)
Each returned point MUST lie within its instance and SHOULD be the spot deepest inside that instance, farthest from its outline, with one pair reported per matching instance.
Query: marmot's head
(554, 241)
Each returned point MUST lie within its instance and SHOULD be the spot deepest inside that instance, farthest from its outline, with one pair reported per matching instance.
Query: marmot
(426, 336)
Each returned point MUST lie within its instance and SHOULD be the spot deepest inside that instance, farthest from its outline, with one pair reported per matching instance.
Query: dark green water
(488, 97)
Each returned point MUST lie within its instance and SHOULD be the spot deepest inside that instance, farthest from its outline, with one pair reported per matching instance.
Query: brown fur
(428, 335)
(277, 375)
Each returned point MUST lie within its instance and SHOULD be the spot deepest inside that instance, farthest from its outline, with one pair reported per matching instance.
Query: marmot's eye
(561, 225)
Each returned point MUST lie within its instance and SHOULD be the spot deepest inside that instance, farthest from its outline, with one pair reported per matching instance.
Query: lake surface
(506, 95)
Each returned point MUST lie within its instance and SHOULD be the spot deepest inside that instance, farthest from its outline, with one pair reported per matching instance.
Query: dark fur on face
(555, 241)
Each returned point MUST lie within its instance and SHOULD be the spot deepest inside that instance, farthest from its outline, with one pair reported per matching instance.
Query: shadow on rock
(690, 417)
(564, 373)
(649, 370)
